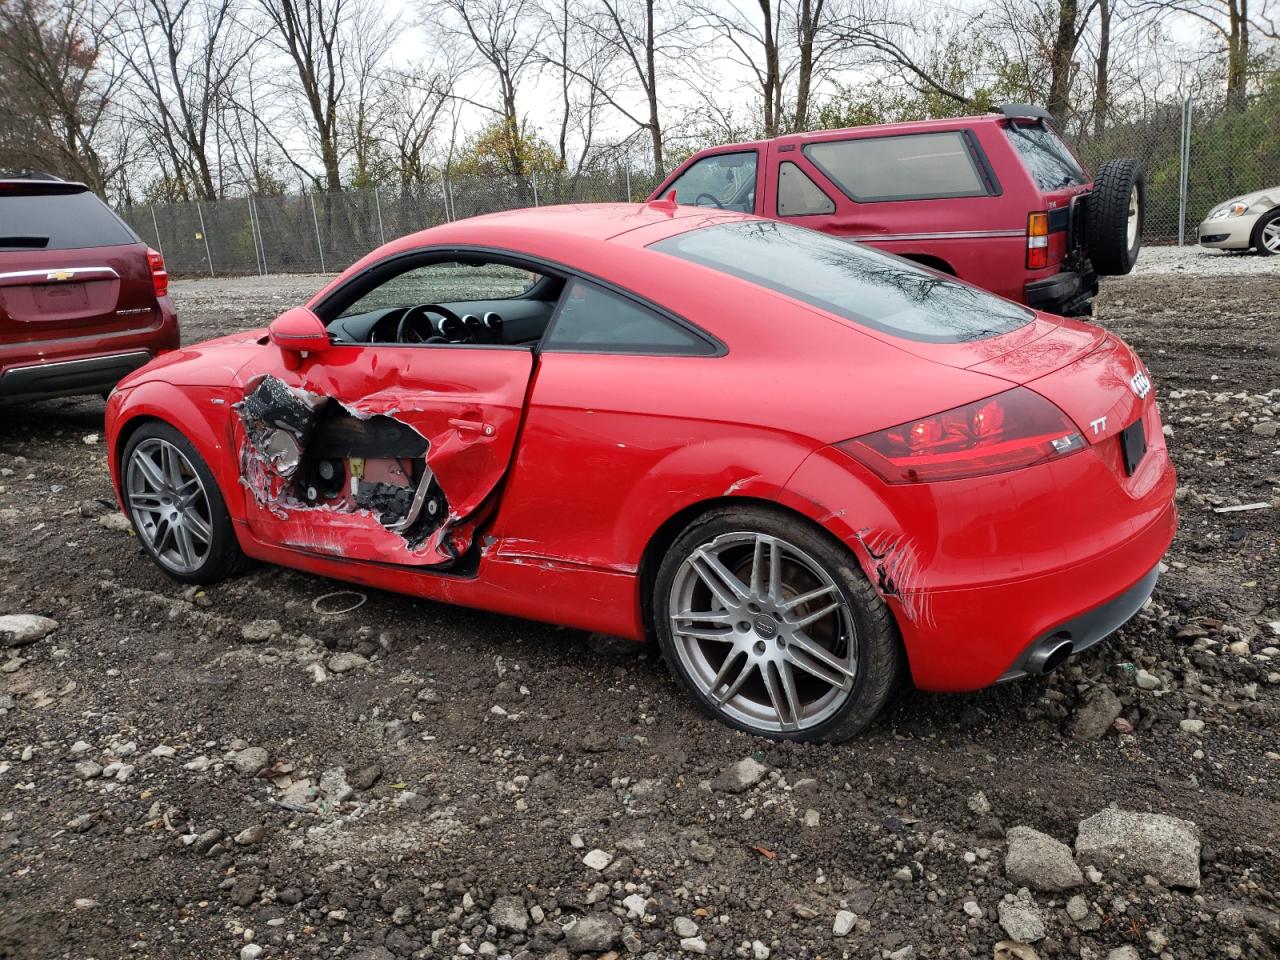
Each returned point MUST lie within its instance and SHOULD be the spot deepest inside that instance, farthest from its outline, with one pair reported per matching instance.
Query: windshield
(1046, 157)
(860, 284)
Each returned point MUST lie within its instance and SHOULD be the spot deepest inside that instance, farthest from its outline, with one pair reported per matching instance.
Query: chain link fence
(326, 232)
(1195, 157)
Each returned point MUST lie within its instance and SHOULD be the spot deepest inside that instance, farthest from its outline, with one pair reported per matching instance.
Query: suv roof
(999, 116)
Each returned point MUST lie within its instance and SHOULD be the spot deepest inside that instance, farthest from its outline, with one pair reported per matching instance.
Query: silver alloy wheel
(1271, 236)
(169, 505)
(764, 632)
(1131, 227)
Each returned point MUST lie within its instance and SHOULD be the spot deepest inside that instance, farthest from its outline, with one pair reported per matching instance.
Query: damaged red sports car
(808, 468)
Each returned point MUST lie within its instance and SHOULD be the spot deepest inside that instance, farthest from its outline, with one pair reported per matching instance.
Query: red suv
(83, 301)
(998, 200)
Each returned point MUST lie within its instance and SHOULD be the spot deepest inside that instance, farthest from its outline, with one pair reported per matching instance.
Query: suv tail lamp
(159, 275)
(1014, 429)
(1037, 240)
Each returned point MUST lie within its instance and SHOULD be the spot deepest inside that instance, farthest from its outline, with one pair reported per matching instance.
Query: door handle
(472, 426)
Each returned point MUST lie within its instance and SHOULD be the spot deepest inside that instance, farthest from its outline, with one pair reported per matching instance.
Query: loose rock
(1138, 843)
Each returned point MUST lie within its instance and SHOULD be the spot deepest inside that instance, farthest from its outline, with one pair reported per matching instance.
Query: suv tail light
(159, 275)
(1014, 429)
(1037, 240)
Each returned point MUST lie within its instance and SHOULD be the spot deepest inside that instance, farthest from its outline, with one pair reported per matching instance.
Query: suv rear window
(1045, 156)
(917, 166)
(858, 283)
(58, 221)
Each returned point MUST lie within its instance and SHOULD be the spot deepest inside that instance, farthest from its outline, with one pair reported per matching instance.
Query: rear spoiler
(32, 186)
(1023, 111)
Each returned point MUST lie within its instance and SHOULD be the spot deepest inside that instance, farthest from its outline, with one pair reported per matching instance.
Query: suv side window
(917, 166)
(592, 319)
(724, 180)
(798, 195)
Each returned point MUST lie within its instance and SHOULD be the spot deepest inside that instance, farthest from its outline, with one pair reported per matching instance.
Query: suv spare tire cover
(1117, 205)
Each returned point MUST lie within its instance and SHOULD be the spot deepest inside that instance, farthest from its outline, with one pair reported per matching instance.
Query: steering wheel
(697, 201)
(407, 333)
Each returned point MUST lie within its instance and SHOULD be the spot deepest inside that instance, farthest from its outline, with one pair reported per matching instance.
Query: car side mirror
(298, 333)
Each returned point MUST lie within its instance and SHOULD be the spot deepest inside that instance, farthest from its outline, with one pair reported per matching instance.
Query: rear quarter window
(59, 221)
(918, 166)
(1046, 157)
(857, 283)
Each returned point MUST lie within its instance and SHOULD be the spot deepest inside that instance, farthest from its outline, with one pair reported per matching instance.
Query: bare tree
(183, 57)
(327, 43)
(56, 108)
(416, 100)
(505, 35)
(1234, 24)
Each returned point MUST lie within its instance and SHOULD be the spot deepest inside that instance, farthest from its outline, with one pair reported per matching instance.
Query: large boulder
(19, 629)
(1036, 860)
(1140, 843)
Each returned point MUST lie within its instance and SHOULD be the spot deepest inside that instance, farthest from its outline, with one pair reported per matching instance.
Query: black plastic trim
(63, 378)
(1092, 627)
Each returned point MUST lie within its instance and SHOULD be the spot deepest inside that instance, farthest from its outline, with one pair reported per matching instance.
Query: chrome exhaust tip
(1049, 655)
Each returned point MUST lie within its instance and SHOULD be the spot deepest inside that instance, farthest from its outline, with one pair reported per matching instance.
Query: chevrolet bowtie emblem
(60, 275)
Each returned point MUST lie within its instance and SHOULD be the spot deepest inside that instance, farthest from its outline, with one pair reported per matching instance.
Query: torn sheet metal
(339, 479)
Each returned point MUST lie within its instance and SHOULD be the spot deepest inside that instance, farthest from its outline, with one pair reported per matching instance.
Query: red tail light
(159, 275)
(1037, 240)
(1014, 429)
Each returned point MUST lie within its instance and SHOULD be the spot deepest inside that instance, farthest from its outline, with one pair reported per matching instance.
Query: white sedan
(1250, 222)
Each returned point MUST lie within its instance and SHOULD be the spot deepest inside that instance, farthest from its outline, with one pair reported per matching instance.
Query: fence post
(627, 170)
(1184, 164)
(159, 245)
(253, 235)
(533, 180)
(204, 235)
(316, 221)
(262, 244)
(444, 185)
(382, 237)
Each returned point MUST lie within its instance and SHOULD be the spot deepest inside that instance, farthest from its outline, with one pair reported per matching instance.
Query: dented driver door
(379, 452)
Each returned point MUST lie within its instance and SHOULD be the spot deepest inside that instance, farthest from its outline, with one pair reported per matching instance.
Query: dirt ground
(238, 772)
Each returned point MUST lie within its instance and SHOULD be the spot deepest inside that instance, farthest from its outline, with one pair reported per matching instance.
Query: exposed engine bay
(307, 451)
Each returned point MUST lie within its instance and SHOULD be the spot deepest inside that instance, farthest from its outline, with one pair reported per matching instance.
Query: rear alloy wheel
(1113, 225)
(176, 508)
(772, 628)
(1266, 235)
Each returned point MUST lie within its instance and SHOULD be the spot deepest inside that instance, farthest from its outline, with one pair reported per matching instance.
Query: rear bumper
(68, 378)
(1089, 628)
(1068, 294)
(83, 365)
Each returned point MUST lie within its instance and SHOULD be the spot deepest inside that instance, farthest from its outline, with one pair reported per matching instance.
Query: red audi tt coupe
(805, 466)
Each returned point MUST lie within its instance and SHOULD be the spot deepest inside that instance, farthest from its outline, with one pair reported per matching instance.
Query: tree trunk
(1060, 61)
(1101, 93)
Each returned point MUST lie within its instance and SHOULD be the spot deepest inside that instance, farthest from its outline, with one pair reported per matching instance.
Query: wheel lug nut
(759, 646)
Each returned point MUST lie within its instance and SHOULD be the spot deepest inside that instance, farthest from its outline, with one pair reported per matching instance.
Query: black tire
(1263, 222)
(881, 666)
(224, 557)
(1107, 221)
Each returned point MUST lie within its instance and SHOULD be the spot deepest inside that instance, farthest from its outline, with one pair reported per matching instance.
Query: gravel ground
(1199, 260)
(235, 772)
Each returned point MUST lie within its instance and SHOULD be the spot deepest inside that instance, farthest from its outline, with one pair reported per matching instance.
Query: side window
(447, 282)
(724, 180)
(917, 166)
(798, 195)
(592, 319)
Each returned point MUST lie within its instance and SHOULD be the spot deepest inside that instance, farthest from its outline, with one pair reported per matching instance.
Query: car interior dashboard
(508, 321)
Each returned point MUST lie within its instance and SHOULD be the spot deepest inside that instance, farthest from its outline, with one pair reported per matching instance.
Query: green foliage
(497, 150)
